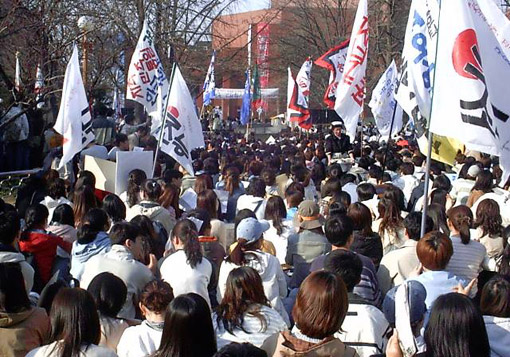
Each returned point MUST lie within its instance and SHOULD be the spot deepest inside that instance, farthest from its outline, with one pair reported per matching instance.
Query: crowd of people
(281, 249)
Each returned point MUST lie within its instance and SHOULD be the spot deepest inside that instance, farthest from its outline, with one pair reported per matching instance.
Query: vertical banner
(38, 86)
(263, 57)
(350, 94)
(146, 75)
(301, 95)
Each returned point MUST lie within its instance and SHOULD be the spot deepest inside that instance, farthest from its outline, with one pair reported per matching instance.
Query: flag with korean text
(334, 61)
(38, 86)
(146, 76)
(350, 94)
(182, 131)
(472, 75)
(73, 122)
(246, 105)
(209, 83)
(301, 97)
(383, 104)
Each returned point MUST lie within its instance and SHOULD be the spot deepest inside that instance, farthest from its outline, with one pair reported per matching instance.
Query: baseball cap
(309, 212)
(251, 229)
(417, 307)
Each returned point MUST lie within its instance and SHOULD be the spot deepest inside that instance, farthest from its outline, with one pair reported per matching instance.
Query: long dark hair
(484, 182)
(187, 233)
(244, 293)
(13, 295)
(361, 217)
(109, 293)
(83, 200)
(74, 321)
(276, 212)
(135, 179)
(208, 201)
(188, 329)
(94, 221)
(438, 215)
(456, 328)
(488, 218)
(63, 214)
(389, 211)
(114, 207)
(504, 263)
(232, 180)
(35, 216)
(461, 218)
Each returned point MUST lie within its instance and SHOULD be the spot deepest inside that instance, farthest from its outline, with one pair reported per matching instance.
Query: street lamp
(85, 24)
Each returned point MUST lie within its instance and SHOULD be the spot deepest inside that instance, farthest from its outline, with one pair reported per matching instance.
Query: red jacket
(44, 248)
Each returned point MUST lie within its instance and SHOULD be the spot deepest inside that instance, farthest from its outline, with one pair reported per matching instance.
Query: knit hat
(417, 307)
(251, 229)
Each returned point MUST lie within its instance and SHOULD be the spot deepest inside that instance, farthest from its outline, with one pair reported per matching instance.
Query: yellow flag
(444, 149)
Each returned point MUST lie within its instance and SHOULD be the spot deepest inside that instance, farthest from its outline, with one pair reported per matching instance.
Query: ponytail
(461, 218)
(136, 177)
(238, 254)
(186, 231)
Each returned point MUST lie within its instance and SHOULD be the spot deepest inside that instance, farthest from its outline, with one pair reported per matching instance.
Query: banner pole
(162, 128)
(429, 138)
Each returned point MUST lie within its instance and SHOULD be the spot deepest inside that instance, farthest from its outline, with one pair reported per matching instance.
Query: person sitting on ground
(56, 196)
(364, 326)
(366, 241)
(109, 293)
(22, 327)
(42, 245)
(247, 253)
(92, 240)
(114, 208)
(150, 207)
(62, 223)
(319, 312)
(339, 232)
(75, 327)
(280, 228)
(187, 270)
(123, 261)
(308, 244)
(235, 349)
(489, 229)
(434, 251)
(145, 339)
(253, 199)
(244, 314)
(397, 265)
(9, 237)
(188, 329)
(495, 307)
(132, 195)
(484, 184)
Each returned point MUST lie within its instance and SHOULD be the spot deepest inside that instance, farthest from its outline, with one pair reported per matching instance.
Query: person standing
(337, 142)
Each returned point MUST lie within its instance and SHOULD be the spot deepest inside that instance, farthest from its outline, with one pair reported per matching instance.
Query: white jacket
(139, 341)
(91, 351)
(273, 278)
(498, 330)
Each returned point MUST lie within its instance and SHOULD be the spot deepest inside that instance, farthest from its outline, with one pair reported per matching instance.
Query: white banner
(290, 89)
(383, 103)
(146, 75)
(73, 121)
(350, 94)
(418, 56)
(472, 75)
(17, 74)
(182, 131)
(237, 93)
(210, 83)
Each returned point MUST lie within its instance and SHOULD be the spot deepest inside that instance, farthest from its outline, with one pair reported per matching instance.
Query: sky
(249, 5)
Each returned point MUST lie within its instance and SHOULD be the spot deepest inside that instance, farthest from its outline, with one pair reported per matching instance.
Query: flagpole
(162, 129)
(429, 139)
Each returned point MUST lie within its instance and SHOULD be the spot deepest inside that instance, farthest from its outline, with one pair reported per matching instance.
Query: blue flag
(210, 84)
(245, 109)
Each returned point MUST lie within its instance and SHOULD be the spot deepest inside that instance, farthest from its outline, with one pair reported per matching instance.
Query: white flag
(291, 84)
(472, 75)
(383, 103)
(300, 96)
(350, 94)
(17, 75)
(182, 131)
(73, 121)
(146, 75)
(39, 84)
(209, 83)
(418, 56)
